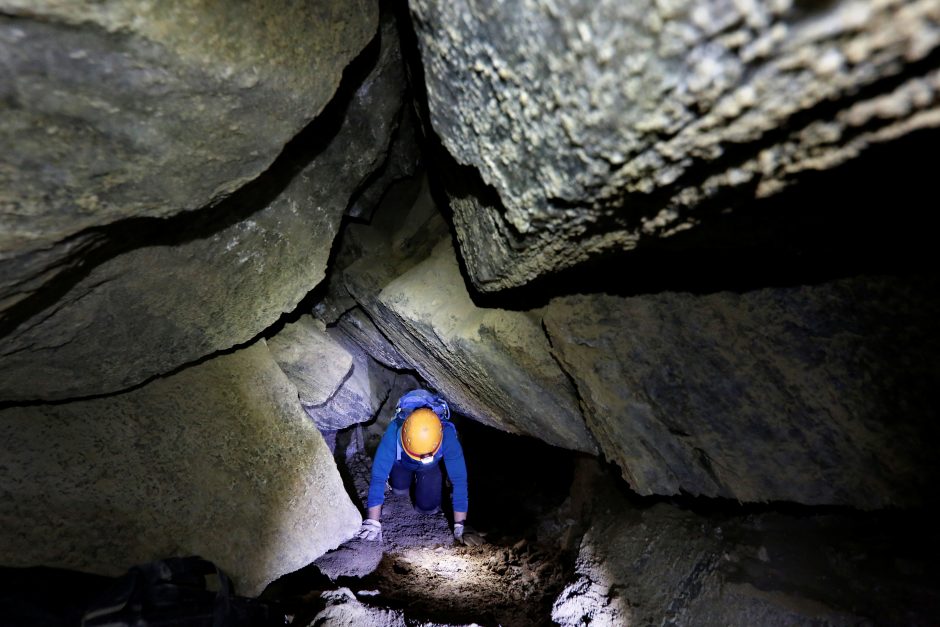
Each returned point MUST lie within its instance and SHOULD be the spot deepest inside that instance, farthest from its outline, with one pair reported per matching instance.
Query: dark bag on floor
(178, 592)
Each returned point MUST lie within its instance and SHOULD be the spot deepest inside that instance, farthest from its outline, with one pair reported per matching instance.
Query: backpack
(421, 398)
(415, 399)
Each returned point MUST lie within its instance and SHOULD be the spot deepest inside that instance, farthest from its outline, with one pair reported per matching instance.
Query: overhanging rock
(821, 394)
(170, 292)
(119, 110)
(493, 365)
(593, 126)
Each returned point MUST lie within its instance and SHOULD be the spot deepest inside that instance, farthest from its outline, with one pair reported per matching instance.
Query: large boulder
(493, 365)
(817, 394)
(496, 365)
(338, 383)
(311, 359)
(218, 460)
(590, 127)
(121, 110)
(175, 291)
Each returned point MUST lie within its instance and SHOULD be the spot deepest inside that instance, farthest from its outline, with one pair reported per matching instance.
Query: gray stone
(213, 279)
(594, 126)
(665, 566)
(360, 395)
(816, 394)
(313, 361)
(218, 460)
(492, 365)
(119, 110)
(343, 609)
(357, 325)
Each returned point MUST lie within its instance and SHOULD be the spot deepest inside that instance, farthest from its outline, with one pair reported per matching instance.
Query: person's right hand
(371, 530)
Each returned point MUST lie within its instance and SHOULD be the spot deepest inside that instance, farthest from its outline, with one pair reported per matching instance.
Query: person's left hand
(467, 535)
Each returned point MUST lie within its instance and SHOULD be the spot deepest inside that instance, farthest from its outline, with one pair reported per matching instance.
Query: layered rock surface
(161, 294)
(122, 110)
(664, 564)
(815, 394)
(594, 127)
(338, 383)
(492, 365)
(218, 460)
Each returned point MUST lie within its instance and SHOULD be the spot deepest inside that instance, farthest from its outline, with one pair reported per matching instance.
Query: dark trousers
(427, 485)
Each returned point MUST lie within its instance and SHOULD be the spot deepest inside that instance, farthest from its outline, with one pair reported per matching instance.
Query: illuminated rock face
(338, 383)
(598, 126)
(493, 365)
(218, 460)
(815, 394)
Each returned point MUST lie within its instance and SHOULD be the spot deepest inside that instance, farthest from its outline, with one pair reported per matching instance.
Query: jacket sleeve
(456, 469)
(382, 466)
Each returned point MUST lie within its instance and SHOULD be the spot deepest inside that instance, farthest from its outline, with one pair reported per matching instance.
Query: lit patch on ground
(444, 563)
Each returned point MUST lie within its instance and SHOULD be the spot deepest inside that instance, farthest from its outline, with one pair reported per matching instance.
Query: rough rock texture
(372, 238)
(595, 126)
(165, 294)
(357, 325)
(218, 460)
(664, 566)
(400, 165)
(645, 564)
(492, 365)
(359, 397)
(344, 610)
(311, 359)
(117, 110)
(814, 394)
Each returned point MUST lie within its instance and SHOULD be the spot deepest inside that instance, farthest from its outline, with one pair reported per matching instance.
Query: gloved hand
(467, 535)
(371, 530)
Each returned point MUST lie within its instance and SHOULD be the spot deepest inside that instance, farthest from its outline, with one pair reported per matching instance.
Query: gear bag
(416, 399)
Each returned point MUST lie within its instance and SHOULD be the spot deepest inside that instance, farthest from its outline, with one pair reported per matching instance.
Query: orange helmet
(422, 434)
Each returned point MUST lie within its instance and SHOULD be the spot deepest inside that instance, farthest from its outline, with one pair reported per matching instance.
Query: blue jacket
(390, 451)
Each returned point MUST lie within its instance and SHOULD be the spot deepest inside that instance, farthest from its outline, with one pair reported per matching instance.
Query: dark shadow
(513, 480)
(47, 596)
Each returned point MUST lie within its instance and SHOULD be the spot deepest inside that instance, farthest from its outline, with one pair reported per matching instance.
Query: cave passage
(558, 522)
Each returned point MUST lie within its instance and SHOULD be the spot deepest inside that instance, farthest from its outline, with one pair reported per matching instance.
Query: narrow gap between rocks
(519, 498)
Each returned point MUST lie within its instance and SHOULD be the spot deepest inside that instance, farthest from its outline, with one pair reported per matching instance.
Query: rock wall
(662, 564)
(593, 127)
(815, 394)
(122, 110)
(218, 460)
(157, 295)
(492, 365)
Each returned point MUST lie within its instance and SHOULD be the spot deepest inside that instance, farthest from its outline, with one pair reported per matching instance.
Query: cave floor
(421, 573)
(666, 561)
